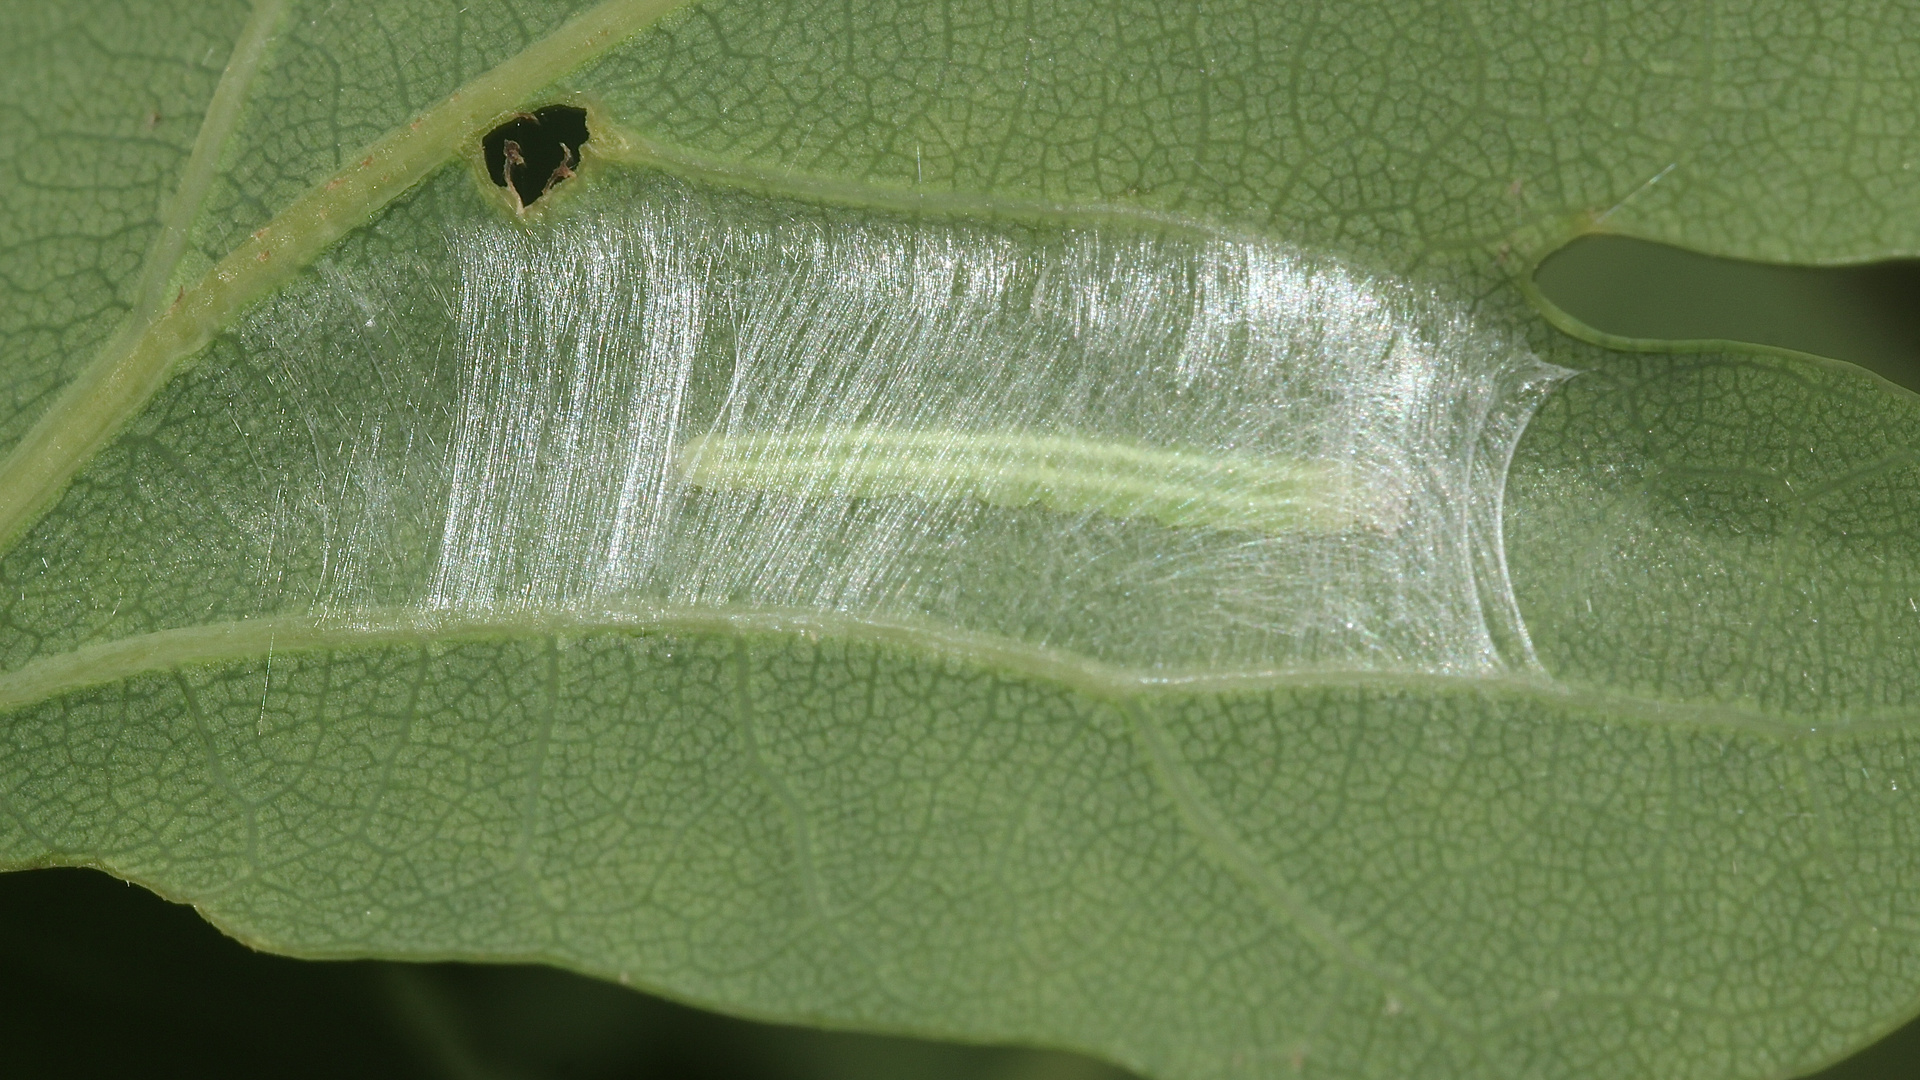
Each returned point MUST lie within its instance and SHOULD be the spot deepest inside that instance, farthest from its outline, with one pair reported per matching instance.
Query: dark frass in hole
(534, 151)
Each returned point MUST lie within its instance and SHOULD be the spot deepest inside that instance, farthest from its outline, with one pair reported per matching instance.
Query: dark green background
(1869, 314)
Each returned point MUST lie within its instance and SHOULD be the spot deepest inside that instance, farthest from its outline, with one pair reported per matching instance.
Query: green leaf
(1057, 525)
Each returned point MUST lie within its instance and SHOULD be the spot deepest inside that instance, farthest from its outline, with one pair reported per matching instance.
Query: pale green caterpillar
(1063, 473)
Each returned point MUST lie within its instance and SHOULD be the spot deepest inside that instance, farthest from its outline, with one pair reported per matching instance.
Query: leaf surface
(1054, 525)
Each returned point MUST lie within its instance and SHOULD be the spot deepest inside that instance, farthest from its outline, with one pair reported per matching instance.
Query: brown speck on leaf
(263, 256)
(561, 171)
(511, 157)
(366, 161)
(151, 120)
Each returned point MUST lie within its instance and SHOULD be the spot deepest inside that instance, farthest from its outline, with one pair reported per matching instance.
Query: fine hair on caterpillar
(1154, 447)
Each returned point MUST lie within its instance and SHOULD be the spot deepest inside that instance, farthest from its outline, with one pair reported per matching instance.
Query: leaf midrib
(240, 640)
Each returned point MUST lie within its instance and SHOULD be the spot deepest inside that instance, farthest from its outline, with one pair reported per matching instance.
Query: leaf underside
(992, 524)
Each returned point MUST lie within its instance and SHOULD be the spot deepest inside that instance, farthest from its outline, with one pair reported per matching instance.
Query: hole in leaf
(533, 152)
(1867, 314)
